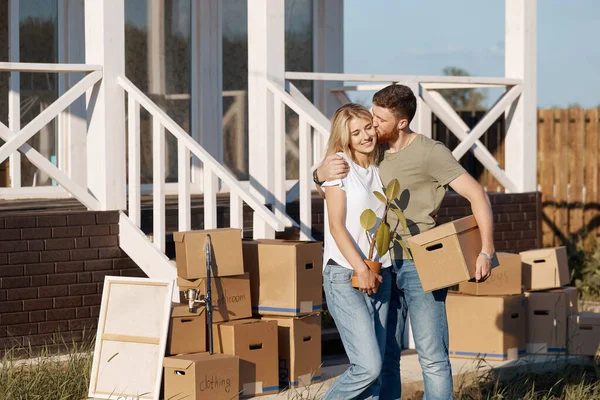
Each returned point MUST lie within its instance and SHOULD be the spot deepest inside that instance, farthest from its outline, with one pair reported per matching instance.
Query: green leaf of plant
(404, 248)
(401, 217)
(392, 190)
(380, 197)
(382, 240)
(368, 219)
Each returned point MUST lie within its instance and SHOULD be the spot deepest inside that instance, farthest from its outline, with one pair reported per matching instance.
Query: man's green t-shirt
(424, 169)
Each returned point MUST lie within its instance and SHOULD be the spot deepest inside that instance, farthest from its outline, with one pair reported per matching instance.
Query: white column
(266, 60)
(521, 63)
(207, 80)
(156, 47)
(105, 45)
(72, 124)
(328, 50)
(14, 95)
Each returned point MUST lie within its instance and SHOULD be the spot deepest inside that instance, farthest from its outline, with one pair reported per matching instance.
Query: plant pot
(373, 266)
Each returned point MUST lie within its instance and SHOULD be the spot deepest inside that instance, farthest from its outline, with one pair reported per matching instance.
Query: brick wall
(517, 218)
(52, 269)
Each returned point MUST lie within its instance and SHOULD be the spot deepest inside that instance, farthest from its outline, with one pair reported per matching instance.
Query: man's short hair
(400, 99)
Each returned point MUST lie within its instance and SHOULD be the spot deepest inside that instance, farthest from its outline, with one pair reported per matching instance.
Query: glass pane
(161, 69)
(298, 57)
(38, 36)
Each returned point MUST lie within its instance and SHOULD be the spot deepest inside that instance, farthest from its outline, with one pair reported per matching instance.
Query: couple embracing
(364, 153)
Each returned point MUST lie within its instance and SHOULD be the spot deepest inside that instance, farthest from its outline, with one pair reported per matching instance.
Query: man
(424, 168)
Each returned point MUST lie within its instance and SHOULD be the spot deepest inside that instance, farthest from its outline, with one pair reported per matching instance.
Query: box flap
(184, 283)
(182, 310)
(586, 318)
(444, 230)
(246, 321)
(176, 362)
(538, 253)
(180, 236)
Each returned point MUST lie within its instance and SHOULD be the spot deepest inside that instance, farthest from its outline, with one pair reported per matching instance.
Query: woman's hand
(368, 281)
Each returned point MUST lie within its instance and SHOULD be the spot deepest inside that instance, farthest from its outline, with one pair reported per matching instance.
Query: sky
(422, 37)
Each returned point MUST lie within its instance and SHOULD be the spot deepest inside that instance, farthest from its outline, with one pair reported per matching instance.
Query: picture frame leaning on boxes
(425, 168)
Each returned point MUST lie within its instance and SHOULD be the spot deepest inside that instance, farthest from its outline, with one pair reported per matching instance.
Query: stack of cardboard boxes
(523, 307)
(190, 371)
(554, 324)
(281, 346)
(286, 288)
(488, 319)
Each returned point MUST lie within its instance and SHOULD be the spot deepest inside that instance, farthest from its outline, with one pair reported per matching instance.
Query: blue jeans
(430, 331)
(361, 321)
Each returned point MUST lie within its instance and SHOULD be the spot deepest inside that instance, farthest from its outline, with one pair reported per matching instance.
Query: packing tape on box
(306, 306)
(252, 388)
(512, 353)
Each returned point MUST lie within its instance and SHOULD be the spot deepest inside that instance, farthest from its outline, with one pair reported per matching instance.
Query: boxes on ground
(187, 331)
(547, 314)
(286, 276)
(230, 296)
(299, 341)
(201, 376)
(255, 343)
(226, 253)
(490, 327)
(446, 255)
(545, 268)
(504, 281)
(584, 334)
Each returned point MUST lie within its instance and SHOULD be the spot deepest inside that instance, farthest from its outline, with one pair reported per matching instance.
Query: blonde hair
(339, 137)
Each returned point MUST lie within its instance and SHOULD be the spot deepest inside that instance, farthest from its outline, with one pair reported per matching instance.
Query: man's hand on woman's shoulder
(333, 167)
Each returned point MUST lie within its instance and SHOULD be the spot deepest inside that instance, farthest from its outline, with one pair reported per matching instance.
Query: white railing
(310, 120)
(212, 172)
(16, 137)
(430, 100)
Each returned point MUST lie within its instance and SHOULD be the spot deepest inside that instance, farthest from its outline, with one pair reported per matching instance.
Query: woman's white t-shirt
(359, 185)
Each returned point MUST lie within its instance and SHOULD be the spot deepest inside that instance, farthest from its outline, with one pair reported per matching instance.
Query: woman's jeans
(430, 330)
(361, 322)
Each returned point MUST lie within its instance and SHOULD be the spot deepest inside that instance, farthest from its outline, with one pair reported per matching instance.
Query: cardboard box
(504, 281)
(230, 296)
(299, 349)
(255, 342)
(547, 314)
(187, 330)
(489, 327)
(226, 255)
(545, 268)
(446, 255)
(584, 334)
(286, 277)
(201, 376)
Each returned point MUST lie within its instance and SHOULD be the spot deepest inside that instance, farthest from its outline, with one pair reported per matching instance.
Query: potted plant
(381, 238)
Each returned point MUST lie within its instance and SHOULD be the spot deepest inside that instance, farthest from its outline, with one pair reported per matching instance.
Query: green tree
(463, 99)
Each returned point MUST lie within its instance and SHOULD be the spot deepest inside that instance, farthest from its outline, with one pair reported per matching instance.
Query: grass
(575, 382)
(67, 378)
(47, 376)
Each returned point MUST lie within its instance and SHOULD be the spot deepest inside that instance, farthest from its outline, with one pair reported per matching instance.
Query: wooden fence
(568, 173)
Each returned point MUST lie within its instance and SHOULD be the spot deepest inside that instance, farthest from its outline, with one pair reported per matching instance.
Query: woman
(359, 314)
